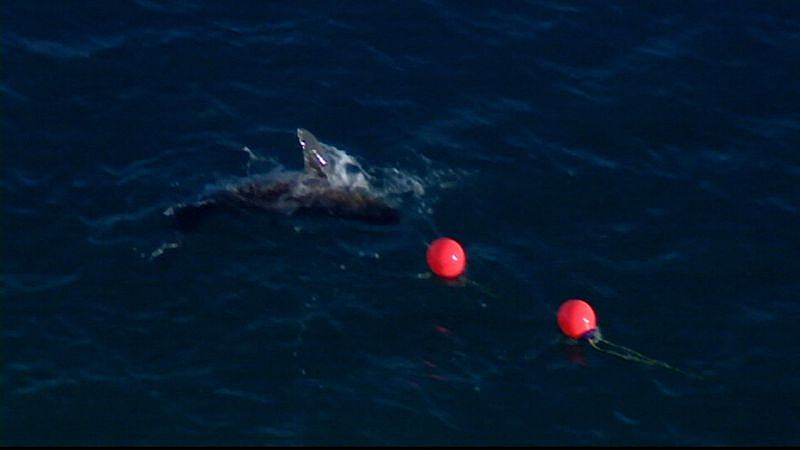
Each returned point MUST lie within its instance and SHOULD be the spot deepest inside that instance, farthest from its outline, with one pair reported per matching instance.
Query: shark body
(319, 190)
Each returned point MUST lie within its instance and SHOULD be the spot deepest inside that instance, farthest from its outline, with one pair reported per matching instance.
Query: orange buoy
(576, 318)
(446, 258)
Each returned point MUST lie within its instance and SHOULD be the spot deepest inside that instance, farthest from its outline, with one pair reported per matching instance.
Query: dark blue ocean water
(640, 155)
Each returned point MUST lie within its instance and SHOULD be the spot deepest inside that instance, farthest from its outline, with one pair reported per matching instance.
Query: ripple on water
(27, 283)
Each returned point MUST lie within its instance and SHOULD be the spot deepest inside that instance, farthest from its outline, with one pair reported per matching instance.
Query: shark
(325, 187)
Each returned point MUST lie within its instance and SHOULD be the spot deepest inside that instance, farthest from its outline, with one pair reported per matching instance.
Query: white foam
(345, 171)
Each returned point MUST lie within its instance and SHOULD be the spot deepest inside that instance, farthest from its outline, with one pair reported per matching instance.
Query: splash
(345, 170)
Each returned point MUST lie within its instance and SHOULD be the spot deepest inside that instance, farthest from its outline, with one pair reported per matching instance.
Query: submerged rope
(482, 288)
(596, 340)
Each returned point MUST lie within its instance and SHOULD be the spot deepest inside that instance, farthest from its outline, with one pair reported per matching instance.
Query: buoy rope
(596, 339)
(483, 288)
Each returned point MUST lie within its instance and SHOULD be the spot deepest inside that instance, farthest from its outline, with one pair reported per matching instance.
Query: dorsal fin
(314, 160)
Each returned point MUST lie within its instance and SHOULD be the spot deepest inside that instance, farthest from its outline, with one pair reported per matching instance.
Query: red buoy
(446, 258)
(576, 318)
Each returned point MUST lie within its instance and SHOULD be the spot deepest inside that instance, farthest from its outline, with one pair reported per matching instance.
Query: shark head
(315, 158)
